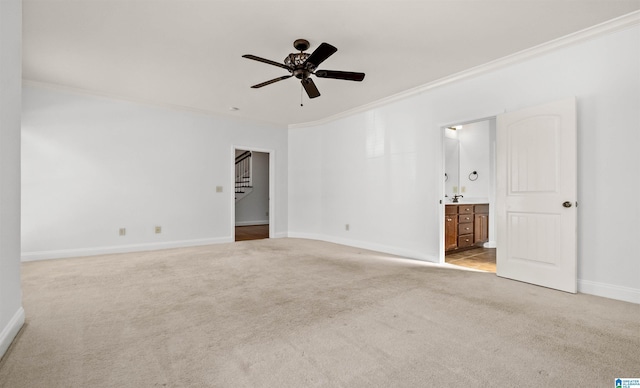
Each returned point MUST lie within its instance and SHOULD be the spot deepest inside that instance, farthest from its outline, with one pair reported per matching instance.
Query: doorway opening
(468, 231)
(252, 185)
(532, 196)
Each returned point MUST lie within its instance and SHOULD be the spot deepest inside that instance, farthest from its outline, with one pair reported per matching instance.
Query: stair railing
(243, 171)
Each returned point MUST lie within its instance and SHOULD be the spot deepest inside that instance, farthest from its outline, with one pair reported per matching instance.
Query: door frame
(272, 193)
(442, 203)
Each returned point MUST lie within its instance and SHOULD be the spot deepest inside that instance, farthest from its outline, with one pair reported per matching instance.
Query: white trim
(308, 236)
(443, 200)
(405, 253)
(611, 291)
(64, 253)
(11, 330)
(252, 223)
(626, 294)
(592, 32)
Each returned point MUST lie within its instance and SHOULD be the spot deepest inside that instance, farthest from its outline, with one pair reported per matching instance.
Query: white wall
(11, 312)
(254, 208)
(92, 165)
(376, 175)
(305, 148)
(390, 193)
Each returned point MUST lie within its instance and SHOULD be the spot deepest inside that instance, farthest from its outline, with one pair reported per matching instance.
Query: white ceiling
(187, 53)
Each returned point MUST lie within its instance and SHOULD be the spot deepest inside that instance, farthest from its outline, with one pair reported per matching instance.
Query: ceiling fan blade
(272, 81)
(310, 87)
(346, 75)
(324, 51)
(274, 63)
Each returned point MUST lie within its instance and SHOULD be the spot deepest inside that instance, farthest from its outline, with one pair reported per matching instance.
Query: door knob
(566, 204)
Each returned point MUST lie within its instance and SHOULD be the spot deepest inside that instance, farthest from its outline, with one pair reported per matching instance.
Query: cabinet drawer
(451, 209)
(482, 208)
(465, 241)
(466, 228)
(465, 218)
(465, 209)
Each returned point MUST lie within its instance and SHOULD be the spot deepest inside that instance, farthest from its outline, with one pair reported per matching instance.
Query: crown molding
(598, 30)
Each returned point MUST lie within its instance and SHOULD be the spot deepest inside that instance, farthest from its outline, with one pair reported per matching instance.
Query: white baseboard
(308, 236)
(59, 254)
(406, 253)
(611, 291)
(10, 331)
(251, 223)
(626, 294)
(605, 290)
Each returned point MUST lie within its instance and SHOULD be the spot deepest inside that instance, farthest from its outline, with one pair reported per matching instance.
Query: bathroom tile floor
(479, 258)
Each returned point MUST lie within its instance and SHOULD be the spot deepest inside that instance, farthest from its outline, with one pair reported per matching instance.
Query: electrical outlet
(463, 189)
(122, 231)
(455, 189)
(158, 229)
(346, 227)
(218, 189)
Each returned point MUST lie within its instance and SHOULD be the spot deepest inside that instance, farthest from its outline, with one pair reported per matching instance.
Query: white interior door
(536, 195)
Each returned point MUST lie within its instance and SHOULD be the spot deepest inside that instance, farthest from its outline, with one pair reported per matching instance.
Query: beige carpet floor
(301, 313)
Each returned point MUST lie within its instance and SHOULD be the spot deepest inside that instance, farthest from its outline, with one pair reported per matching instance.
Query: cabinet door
(450, 232)
(481, 228)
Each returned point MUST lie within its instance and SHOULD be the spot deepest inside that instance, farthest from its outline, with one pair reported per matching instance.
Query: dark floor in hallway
(252, 232)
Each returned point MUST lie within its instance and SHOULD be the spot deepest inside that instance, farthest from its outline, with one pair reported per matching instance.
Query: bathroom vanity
(466, 226)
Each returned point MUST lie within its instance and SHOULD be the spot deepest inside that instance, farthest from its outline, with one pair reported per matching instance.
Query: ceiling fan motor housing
(294, 60)
(298, 65)
(301, 44)
(301, 73)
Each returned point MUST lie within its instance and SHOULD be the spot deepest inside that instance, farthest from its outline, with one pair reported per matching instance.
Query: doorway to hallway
(252, 195)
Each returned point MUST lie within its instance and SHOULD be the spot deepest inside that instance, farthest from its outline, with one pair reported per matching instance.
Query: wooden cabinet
(481, 224)
(466, 226)
(450, 228)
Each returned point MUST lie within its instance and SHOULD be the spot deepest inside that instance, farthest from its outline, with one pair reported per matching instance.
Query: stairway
(244, 185)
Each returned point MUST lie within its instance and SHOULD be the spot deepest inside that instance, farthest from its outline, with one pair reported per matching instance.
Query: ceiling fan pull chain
(301, 95)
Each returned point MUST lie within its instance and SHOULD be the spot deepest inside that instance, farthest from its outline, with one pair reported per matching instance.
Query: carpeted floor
(302, 313)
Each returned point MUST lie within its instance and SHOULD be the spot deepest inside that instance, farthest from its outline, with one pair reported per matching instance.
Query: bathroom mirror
(467, 161)
(451, 166)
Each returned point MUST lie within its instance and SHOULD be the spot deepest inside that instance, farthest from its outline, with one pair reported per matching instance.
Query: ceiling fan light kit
(302, 65)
